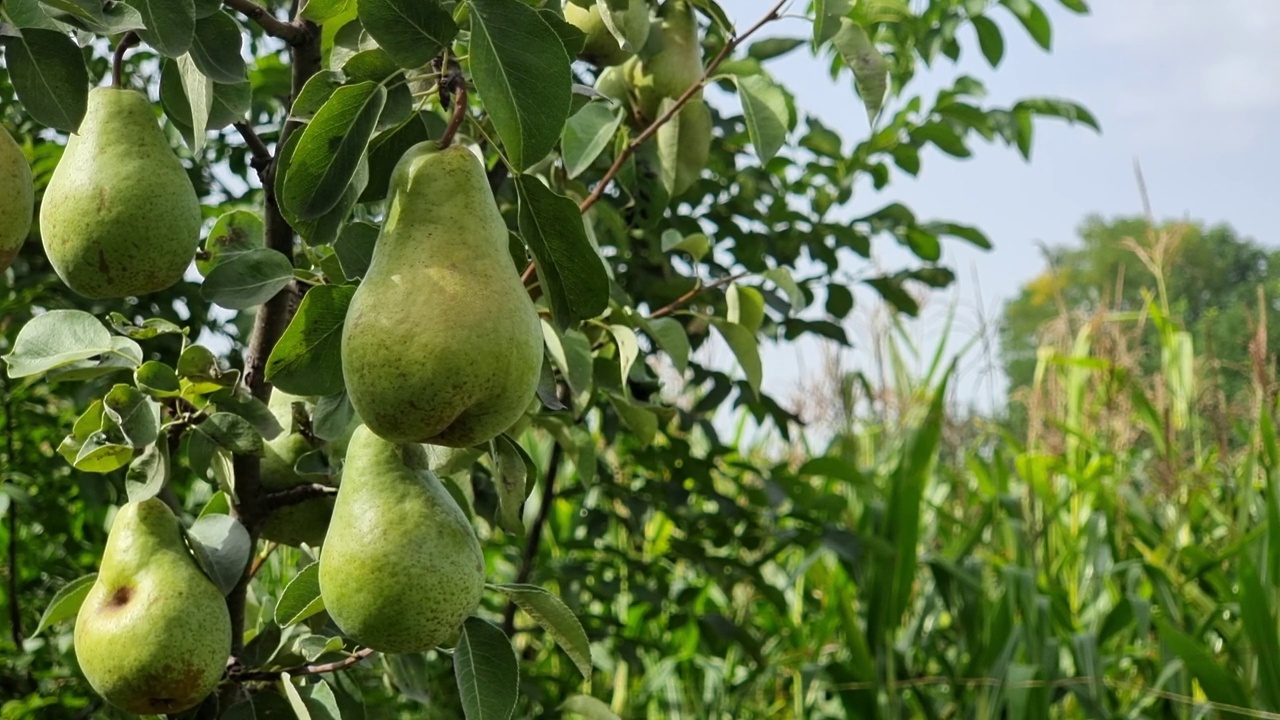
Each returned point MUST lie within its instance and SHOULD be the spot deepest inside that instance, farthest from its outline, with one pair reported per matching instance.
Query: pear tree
(341, 283)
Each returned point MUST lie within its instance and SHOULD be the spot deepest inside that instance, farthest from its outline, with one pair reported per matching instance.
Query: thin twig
(295, 495)
(273, 26)
(117, 58)
(693, 90)
(342, 664)
(259, 153)
(535, 532)
(680, 301)
(459, 107)
(261, 560)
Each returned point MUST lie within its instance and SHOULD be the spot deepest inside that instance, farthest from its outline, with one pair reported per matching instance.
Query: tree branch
(732, 44)
(342, 664)
(259, 152)
(294, 496)
(535, 533)
(680, 301)
(273, 26)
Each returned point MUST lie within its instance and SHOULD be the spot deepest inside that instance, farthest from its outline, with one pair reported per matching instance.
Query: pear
(153, 634)
(304, 522)
(671, 61)
(120, 216)
(601, 47)
(17, 199)
(441, 343)
(401, 568)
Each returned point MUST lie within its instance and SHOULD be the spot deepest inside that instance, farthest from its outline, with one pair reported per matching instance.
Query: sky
(1190, 89)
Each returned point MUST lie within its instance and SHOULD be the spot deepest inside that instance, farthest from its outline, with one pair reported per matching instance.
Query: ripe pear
(401, 567)
(602, 47)
(671, 61)
(441, 344)
(684, 146)
(17, 199)
(120, 216)
(153, 634)
(305, 522)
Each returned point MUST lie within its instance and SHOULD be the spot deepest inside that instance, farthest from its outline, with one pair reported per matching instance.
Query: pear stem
(334, 666)
(459, 107)
(117, 59)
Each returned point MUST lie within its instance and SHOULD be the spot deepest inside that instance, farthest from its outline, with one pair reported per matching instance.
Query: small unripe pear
(601, 47)
(17, 199)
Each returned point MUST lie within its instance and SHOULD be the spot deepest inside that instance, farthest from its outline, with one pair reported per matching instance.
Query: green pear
(612, 82)
(671, 61)
(304, 522)
(17, 199)
(684, 146)
(441, 343)
(601, 47)
(120, 216)
(153, 634)
(401, 567)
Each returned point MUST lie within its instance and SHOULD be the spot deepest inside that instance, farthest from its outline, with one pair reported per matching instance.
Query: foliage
(685, 559)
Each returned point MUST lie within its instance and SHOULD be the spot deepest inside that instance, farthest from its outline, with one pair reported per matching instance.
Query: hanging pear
(441, 344)
(307, 521)
(120, 217)
(153, 634)
(671, 61)
(401, 567)
(601, 47)
(17, 199)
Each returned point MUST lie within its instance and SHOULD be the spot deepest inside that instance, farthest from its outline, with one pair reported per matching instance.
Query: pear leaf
(240, 401)
(587, 134)
(322, 11)
(66, 603)
(642, 422)
(232, 432)
(510, 477)
(248, 279)
(696, 245)
(330, 149)
(222, 548)
(148, 472)
(219, 504)
(56, 338)
(136, 415)
(569, 268)
(520, 67)
(216, 49)
(311, 702)
(673, 339)
(157, 380)
(171, 24)
(870, 69)
(487, 672)
(588, 707)
(48, 76)
(411, 31)
(744, 346)
(198, 90)
(764, 105)
(308, 358)
(354, 248)
(556, 618)
(301, 597)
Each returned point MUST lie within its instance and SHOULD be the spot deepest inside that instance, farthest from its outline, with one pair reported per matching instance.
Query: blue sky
(1188, 88)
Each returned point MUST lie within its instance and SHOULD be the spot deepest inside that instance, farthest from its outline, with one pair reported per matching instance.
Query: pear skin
(153, 635)
(308, 521)
(441, 344)
(17, 199)
(401, 567)
(601, 47)
(120, 217)
(671, 61)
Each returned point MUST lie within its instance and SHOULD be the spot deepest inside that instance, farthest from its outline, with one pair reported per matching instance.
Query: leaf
(670, 335)
(386, 150)
(1034, 19)
(321, 11)
(696, 245)
(233, 234)
(782, 278)
(311, 702)
(66, 602)
(411, 31)
(48, 76)
(870, 69)
(248, 279)
(315, 93)
(764, 105)
(510, 479)
(216, 49)
(219, 504)
(488, 674)
(587, 134)
(520, 68)
(301, 597)
(642, 422)
(148, 472)
(1219, 685)
(99, 455)
(197, 91)
(354, 249)
(743, 344)
(332, 418)
(588, 707)
(745, 307)
(240, 401)
(56, 338)
(133, 413)
(570, 270)
(232, 432)
(628, 349)
(95, 16)
(557, 619)
(990, 39)
(308, 358)
(329, 151)
(157, 380)
(826, 21)
(171, 24)
(222, 547)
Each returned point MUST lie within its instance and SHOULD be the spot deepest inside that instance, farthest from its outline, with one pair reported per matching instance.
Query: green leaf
(311, 702)
(628, 348)
(745, 348)
(222, 548)
(148, 472)
(696, 245)
(1219, 685)
(487, 672)
(308, 358)
(219, 504)
(240, 401)
(764, 105)
(386, 150)
(301, 597)
(315, 93)
(782, 277)
(641, 421)
(321, 11)
(990, 39)
(197, 90)
(233, 234)
(826, 21)
(1259, 621)
(48, 76)
(588, 707)
(248, 279)
(232, 432)
(171, 24)
(330, 149)
(587, 134)
(1034, 19)
(66, 602)
(157, 380)
(510, 478)
(670, 335)
(133, 413)
(770, 48)
(520, 68)
(216, 49)
(54, 339)
(570, 270)
(354, 249)
(870, 69)
(745, 306)
(95, 16)
(557, 619)
(411, 31)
